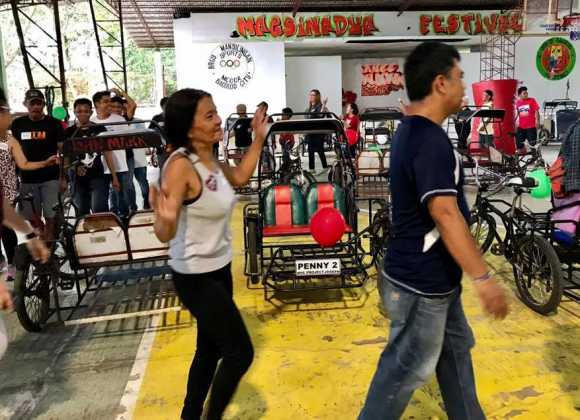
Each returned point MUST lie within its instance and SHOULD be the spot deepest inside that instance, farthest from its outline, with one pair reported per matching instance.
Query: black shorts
(529, 134)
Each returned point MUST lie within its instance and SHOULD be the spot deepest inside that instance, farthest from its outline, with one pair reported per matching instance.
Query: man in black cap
(40, 137)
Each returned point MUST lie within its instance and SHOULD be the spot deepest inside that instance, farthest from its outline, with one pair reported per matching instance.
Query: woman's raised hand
(166, 207)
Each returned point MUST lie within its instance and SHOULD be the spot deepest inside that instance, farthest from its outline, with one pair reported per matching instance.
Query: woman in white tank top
(193, 209)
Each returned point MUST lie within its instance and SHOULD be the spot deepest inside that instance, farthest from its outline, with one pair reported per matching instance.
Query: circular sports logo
(556, 58)
(232, 66)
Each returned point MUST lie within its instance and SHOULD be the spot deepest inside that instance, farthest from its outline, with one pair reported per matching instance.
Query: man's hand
(5, 298)
(115, 183)
(493, 298)
(117, 92)
(38, 250)
(53, 160)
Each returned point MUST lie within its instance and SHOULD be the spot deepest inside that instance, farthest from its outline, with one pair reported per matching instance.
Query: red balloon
(327, 226)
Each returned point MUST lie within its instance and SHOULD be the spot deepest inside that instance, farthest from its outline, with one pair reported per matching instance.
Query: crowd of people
(30, 165)
(430, 248)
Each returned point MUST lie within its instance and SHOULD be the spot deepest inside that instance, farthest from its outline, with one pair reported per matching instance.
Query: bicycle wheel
(543, 136)
(482, 229)
(32, 295)
(538, 274)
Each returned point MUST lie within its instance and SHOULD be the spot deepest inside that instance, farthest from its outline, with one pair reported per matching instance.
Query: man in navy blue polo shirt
(429, 249)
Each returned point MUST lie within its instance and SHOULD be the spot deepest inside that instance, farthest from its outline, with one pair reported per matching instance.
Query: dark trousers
(523, 134)
(90, 195)
(10, 242)
(316, 145)
(221, 334)
(463, 130)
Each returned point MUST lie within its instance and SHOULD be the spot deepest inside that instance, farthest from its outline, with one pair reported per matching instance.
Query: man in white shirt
(136, 158)
(120, 196)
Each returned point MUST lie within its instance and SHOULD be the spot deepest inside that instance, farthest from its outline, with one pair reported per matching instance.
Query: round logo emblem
(232, 66)
(556, 58)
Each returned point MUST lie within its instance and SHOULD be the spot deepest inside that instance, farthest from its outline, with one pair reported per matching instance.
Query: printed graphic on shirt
(33, 135)
(524, 110)
(211, 183)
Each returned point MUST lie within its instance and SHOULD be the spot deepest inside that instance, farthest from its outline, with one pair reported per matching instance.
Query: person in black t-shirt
(40, 136)
(242, 128)
(315, 142)
(429, 247)
(160, 120)
(90, 188)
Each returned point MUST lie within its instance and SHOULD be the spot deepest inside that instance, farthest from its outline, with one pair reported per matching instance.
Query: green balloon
(59, 113)
(544, 188)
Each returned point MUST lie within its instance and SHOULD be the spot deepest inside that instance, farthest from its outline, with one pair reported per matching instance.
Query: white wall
(539, 87)
(527, 73)
(306, 73)
(351, 79)
(267, 84)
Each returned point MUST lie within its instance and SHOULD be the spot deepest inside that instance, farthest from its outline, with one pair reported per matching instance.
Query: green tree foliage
(83, 69)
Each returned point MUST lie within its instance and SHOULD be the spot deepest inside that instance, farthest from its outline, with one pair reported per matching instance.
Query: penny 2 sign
(231, 65)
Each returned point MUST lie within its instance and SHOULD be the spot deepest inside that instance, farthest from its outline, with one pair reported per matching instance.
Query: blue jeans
(140, 175)
(90, 195)
(427, 335)
(120, 200)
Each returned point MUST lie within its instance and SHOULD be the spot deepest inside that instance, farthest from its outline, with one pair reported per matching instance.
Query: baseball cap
(33, 94)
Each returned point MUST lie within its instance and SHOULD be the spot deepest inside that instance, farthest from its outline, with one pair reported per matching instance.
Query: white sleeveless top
(203, 241)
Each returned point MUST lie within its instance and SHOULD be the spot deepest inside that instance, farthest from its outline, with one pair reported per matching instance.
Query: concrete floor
(314, 360)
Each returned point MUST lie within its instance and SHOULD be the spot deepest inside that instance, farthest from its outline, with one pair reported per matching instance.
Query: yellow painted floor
(315, 360)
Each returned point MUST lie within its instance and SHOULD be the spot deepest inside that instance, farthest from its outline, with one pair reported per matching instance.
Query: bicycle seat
(522, 182)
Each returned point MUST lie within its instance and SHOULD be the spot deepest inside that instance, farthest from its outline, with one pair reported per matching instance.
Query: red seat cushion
(270, 231)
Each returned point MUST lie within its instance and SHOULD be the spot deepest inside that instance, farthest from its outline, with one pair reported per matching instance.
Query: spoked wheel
(380, 228)
(301, 178)
(482, 229)
(32, 291)
(543, 136)
(538, 274)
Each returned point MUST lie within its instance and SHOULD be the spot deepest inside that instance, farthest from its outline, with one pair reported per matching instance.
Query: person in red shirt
(528, 119)
(351, 125)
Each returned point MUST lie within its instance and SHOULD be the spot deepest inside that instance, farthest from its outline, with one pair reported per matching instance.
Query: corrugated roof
(150, 22)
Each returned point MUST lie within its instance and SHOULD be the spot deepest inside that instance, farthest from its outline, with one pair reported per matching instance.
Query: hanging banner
(324, 26)
(556, 58)
(283, 27)
(381, 79)
(471, 23)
